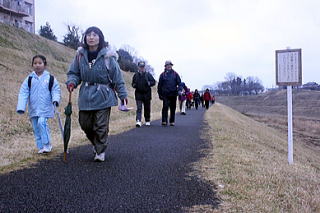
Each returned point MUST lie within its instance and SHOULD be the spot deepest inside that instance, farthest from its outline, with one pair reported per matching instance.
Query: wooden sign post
(289, 73)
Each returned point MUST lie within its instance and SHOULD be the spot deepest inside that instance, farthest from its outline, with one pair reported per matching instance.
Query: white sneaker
(138, 124)
(148, 123)
(40, 151)
(100, 157)
(47, 148)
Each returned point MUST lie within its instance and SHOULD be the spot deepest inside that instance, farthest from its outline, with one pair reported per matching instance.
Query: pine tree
(72, 38)
(47, 32)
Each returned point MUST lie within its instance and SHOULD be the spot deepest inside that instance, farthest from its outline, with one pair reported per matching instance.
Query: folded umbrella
(67, 128)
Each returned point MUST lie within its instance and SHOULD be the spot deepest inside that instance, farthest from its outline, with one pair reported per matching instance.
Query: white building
(19, 13)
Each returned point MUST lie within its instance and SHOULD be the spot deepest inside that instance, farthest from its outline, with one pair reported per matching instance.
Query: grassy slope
(271, 108)
(17, 48)
(305, 103)
(248, 164)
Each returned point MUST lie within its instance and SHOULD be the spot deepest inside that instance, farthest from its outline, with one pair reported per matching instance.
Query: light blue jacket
(38, 98)
(96, 91)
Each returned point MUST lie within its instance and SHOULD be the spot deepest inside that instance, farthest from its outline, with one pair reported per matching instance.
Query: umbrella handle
(65, 157)
(70, 97)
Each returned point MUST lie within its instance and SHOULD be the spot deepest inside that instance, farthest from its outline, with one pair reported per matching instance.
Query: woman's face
(38, 65)
(92, 39)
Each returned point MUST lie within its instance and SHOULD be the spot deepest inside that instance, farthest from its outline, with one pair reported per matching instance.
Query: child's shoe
(40, 151)
(47, 148)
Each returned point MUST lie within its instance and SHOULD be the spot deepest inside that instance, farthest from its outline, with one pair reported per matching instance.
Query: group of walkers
(187, 99)
(95, 70)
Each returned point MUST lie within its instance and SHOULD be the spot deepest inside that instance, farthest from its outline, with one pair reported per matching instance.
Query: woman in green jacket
(96, 70)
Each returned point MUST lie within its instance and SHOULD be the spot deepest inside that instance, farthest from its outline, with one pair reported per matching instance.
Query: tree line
(128, 57)
(236, 85)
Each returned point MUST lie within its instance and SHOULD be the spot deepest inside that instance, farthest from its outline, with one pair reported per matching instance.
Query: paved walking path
(146, 170)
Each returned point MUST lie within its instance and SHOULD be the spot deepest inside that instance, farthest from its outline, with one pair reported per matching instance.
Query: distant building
(19, 13)
(311, 86)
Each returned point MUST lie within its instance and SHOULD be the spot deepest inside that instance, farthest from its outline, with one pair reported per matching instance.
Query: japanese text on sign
(288, 67)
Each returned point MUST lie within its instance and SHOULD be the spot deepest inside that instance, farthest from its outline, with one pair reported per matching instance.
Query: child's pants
(41, 131)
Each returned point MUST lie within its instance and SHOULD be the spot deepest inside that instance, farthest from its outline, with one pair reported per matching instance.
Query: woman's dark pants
(95, 123)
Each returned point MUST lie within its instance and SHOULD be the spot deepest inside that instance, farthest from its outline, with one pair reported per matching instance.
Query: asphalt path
(147, 169)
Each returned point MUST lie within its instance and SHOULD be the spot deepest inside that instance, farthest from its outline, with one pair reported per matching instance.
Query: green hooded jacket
(99, 81)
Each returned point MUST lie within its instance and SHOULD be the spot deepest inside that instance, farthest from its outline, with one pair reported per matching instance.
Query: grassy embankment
(248, 165)
(17, 48)
(271, 108)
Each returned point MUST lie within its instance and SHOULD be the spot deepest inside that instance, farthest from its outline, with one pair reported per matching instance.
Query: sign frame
(299, 66)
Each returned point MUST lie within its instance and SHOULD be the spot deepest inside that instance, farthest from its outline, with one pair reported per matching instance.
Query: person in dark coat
(168, 91)
(142, 81)
(196, 98)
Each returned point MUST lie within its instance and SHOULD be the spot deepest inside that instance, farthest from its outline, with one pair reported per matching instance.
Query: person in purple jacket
(182, 91)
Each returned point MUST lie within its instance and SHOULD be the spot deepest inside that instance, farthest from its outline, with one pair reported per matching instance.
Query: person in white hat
(168, 91)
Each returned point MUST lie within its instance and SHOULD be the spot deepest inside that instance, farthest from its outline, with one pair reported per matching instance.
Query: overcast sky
(205, 39)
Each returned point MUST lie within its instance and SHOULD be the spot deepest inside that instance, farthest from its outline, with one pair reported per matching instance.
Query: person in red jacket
(207, 98)
(189, 99)
(213, 99)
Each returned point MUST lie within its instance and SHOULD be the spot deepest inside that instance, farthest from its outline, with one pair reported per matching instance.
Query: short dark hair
(41, 57)
(102, 42)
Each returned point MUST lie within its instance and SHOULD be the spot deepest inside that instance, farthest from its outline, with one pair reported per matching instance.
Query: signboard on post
(289, 73)
(288, 67)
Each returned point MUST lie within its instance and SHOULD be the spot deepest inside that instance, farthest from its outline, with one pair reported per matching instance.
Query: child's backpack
(51, 80)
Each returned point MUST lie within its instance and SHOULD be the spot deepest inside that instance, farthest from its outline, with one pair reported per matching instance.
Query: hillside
(271, 108)
(305, 103)
(17, 47)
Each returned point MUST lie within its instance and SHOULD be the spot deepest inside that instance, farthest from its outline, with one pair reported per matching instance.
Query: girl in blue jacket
(42, 96)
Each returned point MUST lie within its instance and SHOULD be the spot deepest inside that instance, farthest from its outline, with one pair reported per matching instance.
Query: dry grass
(248, 164)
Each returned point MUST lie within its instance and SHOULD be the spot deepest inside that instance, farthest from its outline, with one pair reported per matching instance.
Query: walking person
(142, 81)
(169, 81)
(189, 98)
(182, 98)
(202, 100)
(213, 99)
(196, 98)
(41, 91)
(96, 70)
(207, 98)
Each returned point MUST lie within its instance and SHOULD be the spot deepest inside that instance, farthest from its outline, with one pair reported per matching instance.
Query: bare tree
(130, 50)
(72, 38)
